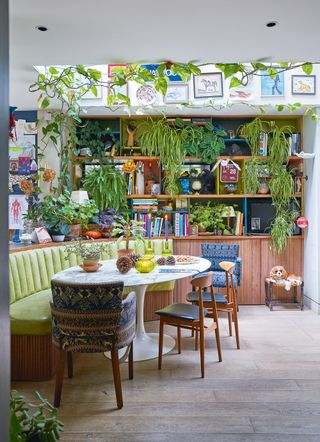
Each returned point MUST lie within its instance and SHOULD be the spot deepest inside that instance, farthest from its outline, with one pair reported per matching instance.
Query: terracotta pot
(75, 231)
(125, 252)
(90, 265)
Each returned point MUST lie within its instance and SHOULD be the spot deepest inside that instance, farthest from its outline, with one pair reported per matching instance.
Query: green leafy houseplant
(127, 228)
(40, 425)
(282, 188)
(165, 141)
(209, 216)
(279, 146)
(255, 170)
(60, 212)
(107, 187)
(282, 227)
(252, 132)
(86, 251)
(93, 136)
(202, 141)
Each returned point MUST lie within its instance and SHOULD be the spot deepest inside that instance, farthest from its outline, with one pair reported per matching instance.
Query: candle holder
(166, 251)
(149, 249)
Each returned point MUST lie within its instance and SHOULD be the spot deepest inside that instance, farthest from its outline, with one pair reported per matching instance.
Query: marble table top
(109, 273)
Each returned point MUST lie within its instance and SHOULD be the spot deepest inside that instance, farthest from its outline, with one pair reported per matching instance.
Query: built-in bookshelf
(158, 205)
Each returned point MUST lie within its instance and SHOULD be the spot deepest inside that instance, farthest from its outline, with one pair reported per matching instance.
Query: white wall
(312, 212)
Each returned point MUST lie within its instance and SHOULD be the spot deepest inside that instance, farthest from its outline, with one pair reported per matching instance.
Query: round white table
(145, 344)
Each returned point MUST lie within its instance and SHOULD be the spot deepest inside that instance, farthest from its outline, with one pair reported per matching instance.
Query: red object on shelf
(302, 222)
(229, 173)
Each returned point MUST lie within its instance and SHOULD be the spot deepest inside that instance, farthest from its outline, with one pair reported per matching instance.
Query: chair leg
(160, 344)
(236, 327)
(179, 339)
(196, 341)
(230, 323)
(217, 333)
(116, 377)
(70, 364)
(130, 361)
(192, 332)
(59, 377)
(202, 351)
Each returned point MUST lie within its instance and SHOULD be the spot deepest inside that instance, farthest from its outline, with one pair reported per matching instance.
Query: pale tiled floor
(267, 391)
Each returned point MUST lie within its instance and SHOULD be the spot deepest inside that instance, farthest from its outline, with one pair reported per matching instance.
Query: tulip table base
(146, 345)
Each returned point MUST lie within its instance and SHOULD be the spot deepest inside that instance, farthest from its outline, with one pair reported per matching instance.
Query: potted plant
(89, 253)
(106, 220)
(127, 228)
(62, 215)
(202, 215)
(33, 422)
(107, 187)
(93, 138)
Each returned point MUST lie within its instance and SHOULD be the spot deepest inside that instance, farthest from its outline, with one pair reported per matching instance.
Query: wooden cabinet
(257, 256)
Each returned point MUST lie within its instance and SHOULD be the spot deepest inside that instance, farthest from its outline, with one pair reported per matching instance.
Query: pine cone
(124, 264)
(134, 258)
(161, 261)
(170, 261)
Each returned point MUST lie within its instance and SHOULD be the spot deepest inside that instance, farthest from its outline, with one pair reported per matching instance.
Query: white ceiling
(102, 31)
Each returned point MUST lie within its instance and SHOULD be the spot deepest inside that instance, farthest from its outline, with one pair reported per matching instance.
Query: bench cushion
(32, 315)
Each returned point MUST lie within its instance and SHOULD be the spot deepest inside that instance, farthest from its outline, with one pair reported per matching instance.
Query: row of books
(294, 143)
(145, 204)
(152, 227)
(181, 224)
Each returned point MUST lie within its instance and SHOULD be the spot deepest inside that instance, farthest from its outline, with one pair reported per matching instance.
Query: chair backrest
(228, 268)
(218, 252)
(202, 281)
(85, 318)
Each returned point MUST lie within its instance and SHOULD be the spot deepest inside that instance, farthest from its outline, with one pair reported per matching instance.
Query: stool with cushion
(191, 317)
(91, 319)
(225, 303)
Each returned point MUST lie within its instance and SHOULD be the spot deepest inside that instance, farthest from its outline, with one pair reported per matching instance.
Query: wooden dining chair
(224, 302)
(190, 317)
(92, 318)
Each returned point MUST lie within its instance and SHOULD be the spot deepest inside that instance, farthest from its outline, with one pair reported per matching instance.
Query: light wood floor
(267, 391)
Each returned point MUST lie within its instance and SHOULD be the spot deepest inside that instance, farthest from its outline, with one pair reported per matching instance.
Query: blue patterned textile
(218, 252)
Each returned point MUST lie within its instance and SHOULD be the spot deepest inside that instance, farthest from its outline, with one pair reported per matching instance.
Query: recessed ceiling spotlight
(271, 24)
(42, 28)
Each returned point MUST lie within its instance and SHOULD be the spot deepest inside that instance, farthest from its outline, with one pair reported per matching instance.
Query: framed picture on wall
(272, 86)
(208, 85)
(111, 66)
(303, 84)
(177, 93)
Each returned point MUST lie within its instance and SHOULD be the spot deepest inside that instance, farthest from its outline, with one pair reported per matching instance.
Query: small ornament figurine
(131, 128)
(124, 264)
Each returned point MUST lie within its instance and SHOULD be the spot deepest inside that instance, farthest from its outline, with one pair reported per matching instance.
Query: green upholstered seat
(32, 315)
(30, 274)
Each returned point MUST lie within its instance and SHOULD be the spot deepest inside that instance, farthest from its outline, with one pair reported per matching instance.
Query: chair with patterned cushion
(90, 318)
(191, 317)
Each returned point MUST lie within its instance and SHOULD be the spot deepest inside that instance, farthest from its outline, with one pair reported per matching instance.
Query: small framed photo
(177, 93)
(303, 84)
(111, 66)
(272, 87)
(208, 85)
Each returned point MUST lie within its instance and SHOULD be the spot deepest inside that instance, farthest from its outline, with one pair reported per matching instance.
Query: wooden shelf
(208, 196)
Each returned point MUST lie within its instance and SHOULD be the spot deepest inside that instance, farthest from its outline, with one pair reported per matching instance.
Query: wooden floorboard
(269, 391)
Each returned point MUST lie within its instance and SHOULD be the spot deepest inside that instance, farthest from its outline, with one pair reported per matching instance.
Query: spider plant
(279, 147)
(107, 186)
(165, 141)
(282, 227)
(252, 131)
(255, 169)
(281, 187)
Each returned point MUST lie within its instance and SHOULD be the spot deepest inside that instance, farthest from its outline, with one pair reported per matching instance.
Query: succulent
(124, 264)
(161, 261)
(170, 261)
